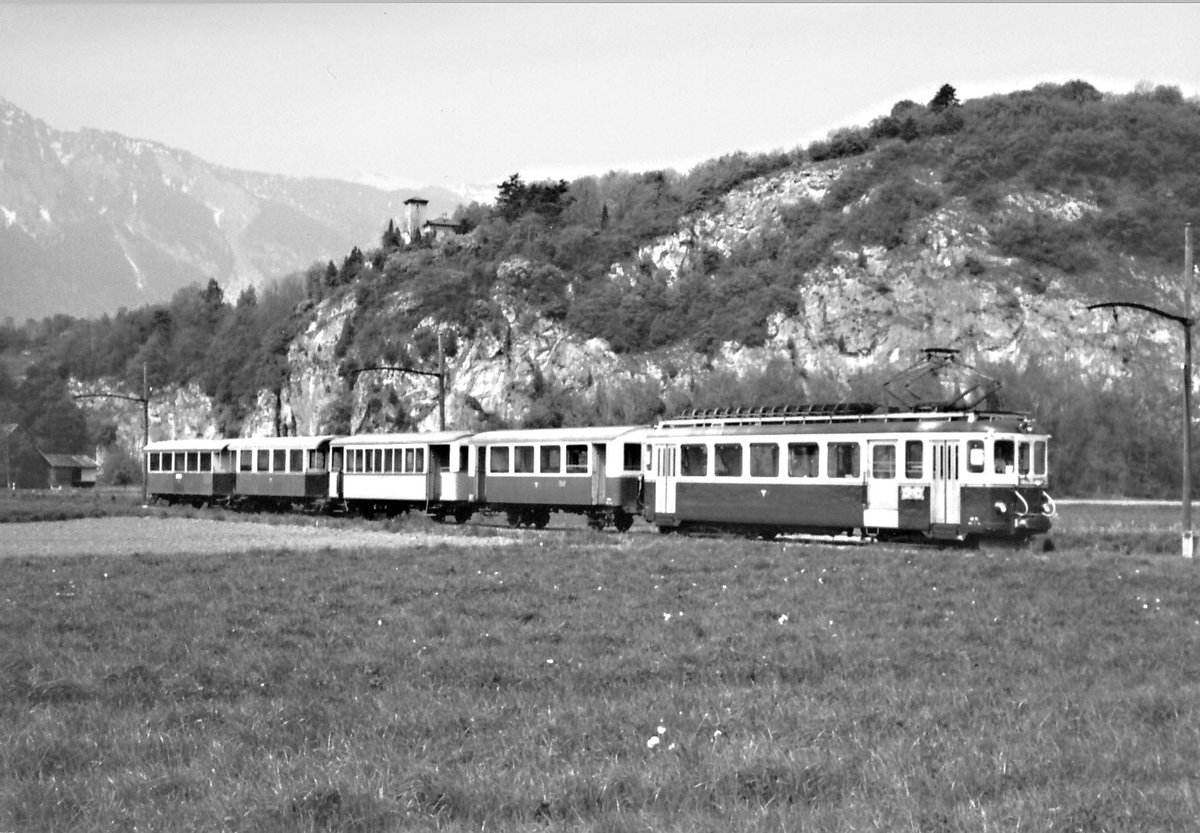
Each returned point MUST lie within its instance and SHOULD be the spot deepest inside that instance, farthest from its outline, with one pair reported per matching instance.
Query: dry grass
(584, 681)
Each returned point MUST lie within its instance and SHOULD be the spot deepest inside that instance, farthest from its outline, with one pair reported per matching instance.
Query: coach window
(263, 463)
(335, 459)
(1039, 458)
(883, 462)
(279, 460)
(245, 460)
(843, 460)
(914, 459)
(975, 457)
(316, 461)
(764, 460)
(632, 457)
(523, 459)
(498, 459)
(551, 459)
(153, 462)
(693, 460)
(577, 459)
(727, 460)
(1005, 456)
(804, 460)
(206, 461)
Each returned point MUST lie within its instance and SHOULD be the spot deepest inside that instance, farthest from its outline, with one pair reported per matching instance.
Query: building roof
(70, 461)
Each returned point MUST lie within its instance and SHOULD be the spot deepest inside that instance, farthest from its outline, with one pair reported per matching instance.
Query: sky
(468, 93)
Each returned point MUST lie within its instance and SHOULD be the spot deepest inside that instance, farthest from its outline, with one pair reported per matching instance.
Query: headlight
(1001, 507)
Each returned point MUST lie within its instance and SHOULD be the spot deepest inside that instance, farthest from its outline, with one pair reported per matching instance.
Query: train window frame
(804, 460)
(1024, 458)
(245, 461)
(757, 459)
(206, 463)
(1040, 462)
(693, 460)
(550, 459)
(279, 459)
(192, 461)
(153, 463)
(498, 459)
(296, 459)
(914, 464)
(976, 458)
(631, 458)
(727, 459)
(844, 460)
(883, 461)
(523, 459)
(1004, 456)
(573, 453)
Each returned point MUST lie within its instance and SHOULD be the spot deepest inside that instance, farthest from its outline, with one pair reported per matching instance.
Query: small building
(69, 471)
(440, 229)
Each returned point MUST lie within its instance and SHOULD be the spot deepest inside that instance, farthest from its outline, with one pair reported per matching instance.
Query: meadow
(602, 682)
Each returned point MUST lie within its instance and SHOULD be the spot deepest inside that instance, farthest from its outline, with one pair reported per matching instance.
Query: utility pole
(145, 400)
(1187, 543)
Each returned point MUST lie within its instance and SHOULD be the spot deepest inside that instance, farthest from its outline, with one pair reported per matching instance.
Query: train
(943, 473)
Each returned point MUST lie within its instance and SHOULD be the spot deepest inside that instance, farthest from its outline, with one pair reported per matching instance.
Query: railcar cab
(529, 474)
(394, 473)
(279, 472)
(199, 472)
(834, 469)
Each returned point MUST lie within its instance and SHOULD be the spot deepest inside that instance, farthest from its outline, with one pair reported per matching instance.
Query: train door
(944, 492)
(439, 461)
(336, 455)
(599, 458)
(882, 510)
(480, 477)
(664, 479)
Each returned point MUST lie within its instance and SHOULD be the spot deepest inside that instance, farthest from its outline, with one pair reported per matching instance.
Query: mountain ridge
(92, 220)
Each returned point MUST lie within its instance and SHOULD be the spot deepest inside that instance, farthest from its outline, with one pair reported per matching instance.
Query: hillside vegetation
(1064, 193)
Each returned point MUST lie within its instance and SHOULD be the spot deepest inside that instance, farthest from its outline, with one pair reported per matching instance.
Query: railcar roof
(552, 435)
(279, 442)
(408, 438)
(187, 445)
(898, 423)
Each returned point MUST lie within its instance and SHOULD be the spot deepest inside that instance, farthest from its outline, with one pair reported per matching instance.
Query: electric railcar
(947, 475)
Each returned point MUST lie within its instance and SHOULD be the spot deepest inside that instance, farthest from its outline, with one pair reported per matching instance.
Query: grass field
(584, 681)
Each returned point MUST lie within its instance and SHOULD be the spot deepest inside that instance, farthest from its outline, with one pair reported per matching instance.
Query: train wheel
(541, 517)
(462, 514)
(622, 520)
(513, 517)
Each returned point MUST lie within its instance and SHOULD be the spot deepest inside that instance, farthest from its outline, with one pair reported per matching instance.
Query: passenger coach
(394, 473)
(950, 475)
(199, 472)
(595, 472)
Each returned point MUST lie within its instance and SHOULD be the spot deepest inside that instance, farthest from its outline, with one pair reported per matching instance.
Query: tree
(946, 97)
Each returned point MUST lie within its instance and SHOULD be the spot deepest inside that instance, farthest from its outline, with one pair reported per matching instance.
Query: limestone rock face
(865, 308)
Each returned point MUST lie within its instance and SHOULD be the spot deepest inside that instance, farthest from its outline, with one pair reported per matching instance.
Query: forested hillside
(803, 275)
